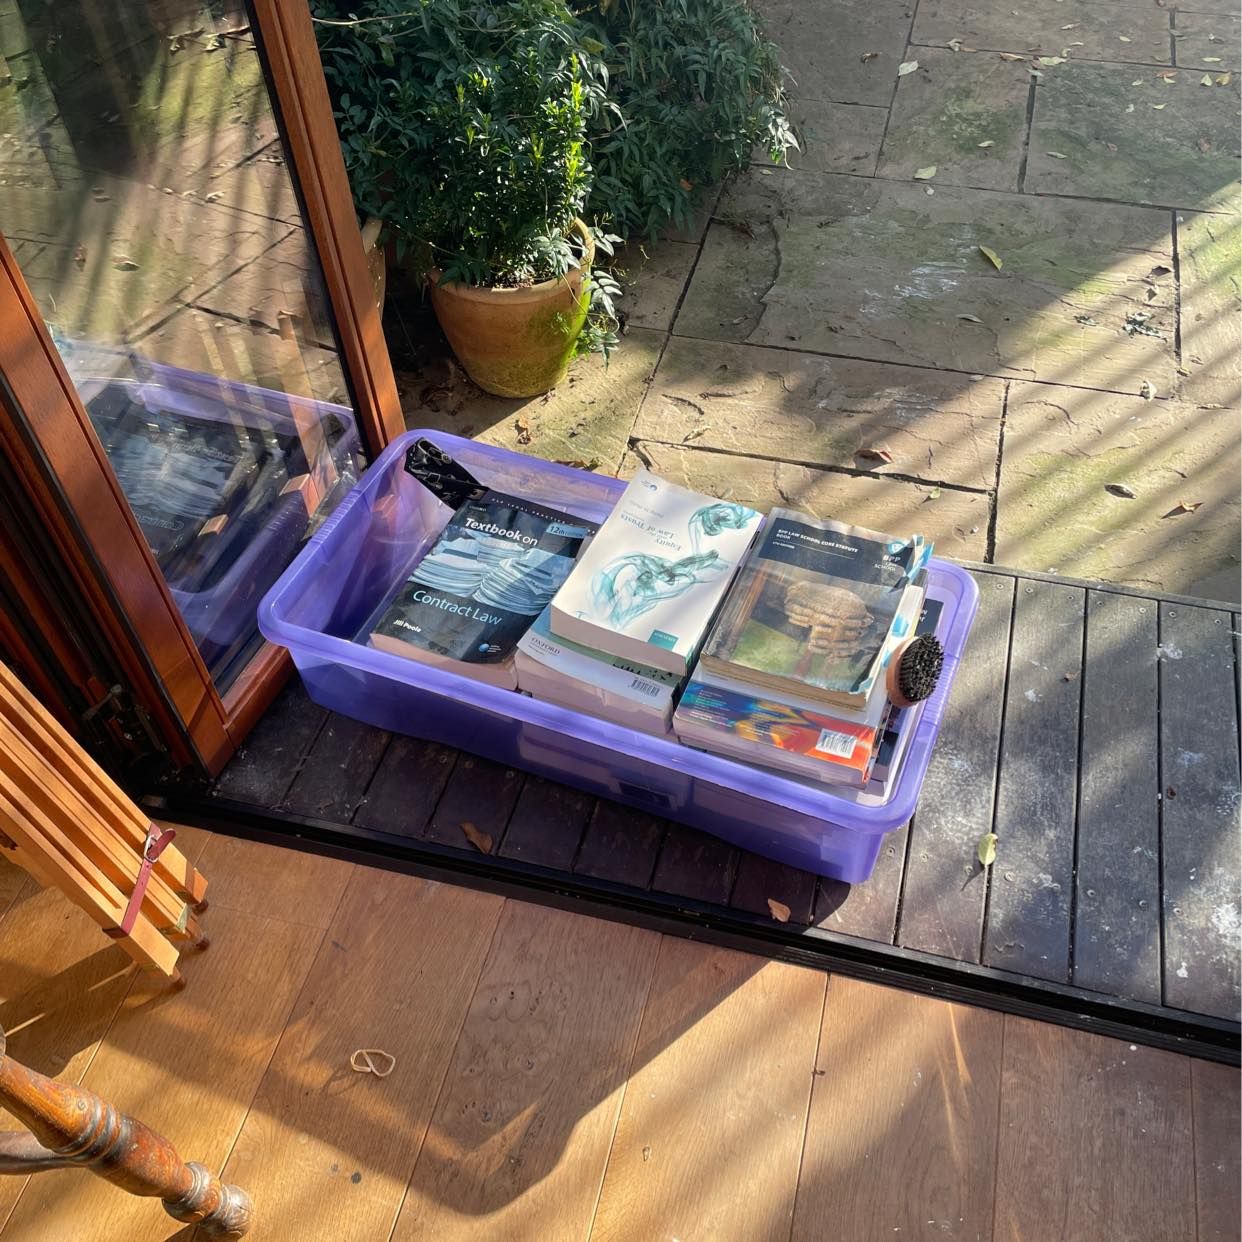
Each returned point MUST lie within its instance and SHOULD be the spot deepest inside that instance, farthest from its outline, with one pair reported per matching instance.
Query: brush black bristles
(918, 669)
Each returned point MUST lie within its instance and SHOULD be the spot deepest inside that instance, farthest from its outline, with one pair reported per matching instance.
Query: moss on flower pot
(517, 342)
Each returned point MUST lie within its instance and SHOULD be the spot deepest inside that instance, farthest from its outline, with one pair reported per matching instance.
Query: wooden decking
(559, 1077)
(1095, 730)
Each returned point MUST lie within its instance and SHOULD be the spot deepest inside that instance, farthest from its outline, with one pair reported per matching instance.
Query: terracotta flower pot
(516, 342)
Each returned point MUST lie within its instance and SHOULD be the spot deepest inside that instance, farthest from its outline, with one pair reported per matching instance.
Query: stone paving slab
(653, 276)
(956, 520)
(1064, 445)
(935, 425)
(881, 270)
(1209, 252)
(587, 419)
(1208, 42)
(1106, 30)
(823, 47)
(1172, 142)
(842, 138)
(943, 112)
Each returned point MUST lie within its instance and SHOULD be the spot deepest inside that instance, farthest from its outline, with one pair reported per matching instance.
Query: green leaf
(992, 257)
(986, 849)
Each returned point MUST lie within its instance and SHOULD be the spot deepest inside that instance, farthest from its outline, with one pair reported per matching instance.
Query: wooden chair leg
(72, 1126)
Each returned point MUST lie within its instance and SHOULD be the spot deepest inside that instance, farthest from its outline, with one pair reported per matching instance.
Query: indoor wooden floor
(560, 1077)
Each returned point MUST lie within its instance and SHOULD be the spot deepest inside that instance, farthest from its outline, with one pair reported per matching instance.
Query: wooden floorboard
(558, 1077)
(1095, 1139)
(478, 792)
(1031, 885)
(868, 910)
(712, 1124)
(326, 1151)
(406, 786)
(1199, 835)
(524, 1123)
(760, 880)
(1218, 1120)
(61, 984)
(270, 758)
(1117, 883)
(695, 865)
(547, 824)
(191, 1079)
(620, 844)
(902, 1134)
(337, 770)
(944, 886)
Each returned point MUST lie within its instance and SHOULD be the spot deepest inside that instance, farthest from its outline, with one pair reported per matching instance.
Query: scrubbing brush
(914, 670)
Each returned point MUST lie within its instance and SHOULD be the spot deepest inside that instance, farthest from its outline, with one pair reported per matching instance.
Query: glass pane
(145, 193)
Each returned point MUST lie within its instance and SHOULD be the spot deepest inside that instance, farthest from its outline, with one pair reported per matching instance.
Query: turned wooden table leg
(72, 1126)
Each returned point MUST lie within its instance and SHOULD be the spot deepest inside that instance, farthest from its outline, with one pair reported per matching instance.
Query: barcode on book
(833, 742)
(648, 688)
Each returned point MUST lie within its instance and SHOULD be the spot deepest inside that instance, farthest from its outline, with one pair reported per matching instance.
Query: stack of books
(478, 589)
(622, 634)
(793, 673)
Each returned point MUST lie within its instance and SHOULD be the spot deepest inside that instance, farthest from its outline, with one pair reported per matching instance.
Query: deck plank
(1218, 1153)
(406, 787)
(186, 1063)
(944, 887)
(620, 844)
(547, 824)
(1200, 829)
(695, 865)
(867, 911)
(906, 1096)
(762, 879)
(337, 770)
(326, 1145)
(1117, 886)
(522, 1129)
(1095, 1139)
(267, 761)
(711, 1128)
(478, 792)
(1032, 882)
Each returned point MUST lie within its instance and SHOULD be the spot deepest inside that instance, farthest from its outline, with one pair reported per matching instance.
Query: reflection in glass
(145, 194)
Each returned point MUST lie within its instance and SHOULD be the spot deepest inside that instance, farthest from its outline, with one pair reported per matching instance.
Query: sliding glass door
(170, 280)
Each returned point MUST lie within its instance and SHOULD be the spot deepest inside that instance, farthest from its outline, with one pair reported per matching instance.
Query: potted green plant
(463, 127)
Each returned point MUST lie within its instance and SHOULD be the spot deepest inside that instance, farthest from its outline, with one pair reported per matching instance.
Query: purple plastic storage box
(221, 617)
(381, 529)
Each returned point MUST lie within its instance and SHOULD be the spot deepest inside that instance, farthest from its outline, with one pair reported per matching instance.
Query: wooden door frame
(48, 436)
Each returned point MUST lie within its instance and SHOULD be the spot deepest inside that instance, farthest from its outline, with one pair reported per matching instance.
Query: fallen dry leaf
(686, 185)
(1147, 390)
(79, 255)
(1069, 676)
(1056, 155)
(1120, 489)
(523, 430)
(1224, 79)
(1159, 107)
(989, 143)
(1206, 80)
(480, 840)
(1184, 506)
(1111, 148)
(1169, 75)
(992, 257)
(1211, 60)
(1125, 39)
(1010, 56)
(971, 318)
(123, 263)
(955, 45)
(1049, 61)
(907, 66)
(867, 56)
(925, 174)
(1203, 145)
(985, 851)
(874, 454)
(780, 911)
(1070, 26)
